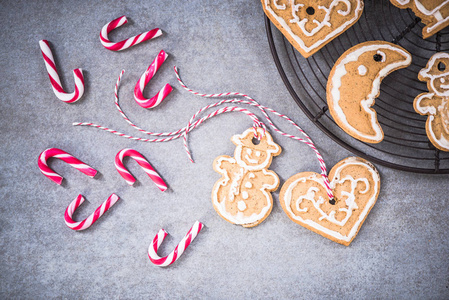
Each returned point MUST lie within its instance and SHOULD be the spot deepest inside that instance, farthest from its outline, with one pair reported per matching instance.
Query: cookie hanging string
(263, 109)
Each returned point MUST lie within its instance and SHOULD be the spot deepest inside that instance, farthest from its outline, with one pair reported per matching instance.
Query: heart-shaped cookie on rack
(310, 24)
(355, 183)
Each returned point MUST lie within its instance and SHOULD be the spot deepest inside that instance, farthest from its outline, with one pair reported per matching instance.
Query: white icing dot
(241, 205)
(362, 70)
(251, 175)
(245, 195)
(248, 185)
(258, 153)
(442, 80)
(248, 151)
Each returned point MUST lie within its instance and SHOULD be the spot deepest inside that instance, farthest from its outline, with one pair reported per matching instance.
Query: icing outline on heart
(349, 198)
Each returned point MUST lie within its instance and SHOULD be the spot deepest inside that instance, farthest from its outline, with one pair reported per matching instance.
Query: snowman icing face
(252, 155)
(437, 71)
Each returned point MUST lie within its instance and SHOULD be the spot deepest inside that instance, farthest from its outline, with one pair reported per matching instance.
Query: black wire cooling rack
(405, 146)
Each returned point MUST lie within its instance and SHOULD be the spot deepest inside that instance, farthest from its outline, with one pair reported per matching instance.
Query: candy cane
(86, 223)
(145, 79)
(179, 250)
(253, 102)
(64, 156)
(54, 77)
(125, 44)
(143, 162)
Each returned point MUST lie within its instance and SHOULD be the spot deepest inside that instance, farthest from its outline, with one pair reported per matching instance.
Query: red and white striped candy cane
(125, 44)
(64, 156)
(86, 223)
(54, 77)
(253, 102)
(145, 79)
(179, 250)
(143, 162)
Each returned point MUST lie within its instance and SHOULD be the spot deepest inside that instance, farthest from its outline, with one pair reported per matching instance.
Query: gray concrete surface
(401, 251)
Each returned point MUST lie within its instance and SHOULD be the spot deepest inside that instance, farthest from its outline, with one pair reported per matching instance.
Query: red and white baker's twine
(143, 162)
(86, 223)
(125, 44)
(145, 79)
(64, 156)
(192, 124)
(54, 77)
(179, 250)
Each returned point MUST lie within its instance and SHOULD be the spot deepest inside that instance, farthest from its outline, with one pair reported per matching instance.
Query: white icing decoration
(349, 202)
(258, 153)
(340, 71)
(325, 22)
(281, 7)
(435, 12)
(442, 80)
(241, 205)
(432, 111)
(362, 70)
(248, 184)
(318, 43)
(426, 73)
(234, 189)
(272, 148)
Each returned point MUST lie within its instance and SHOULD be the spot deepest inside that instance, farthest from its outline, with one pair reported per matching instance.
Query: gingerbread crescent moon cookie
(242, 195)
(435, 104)
(433, 13)
(310, 24)
(354, 84)
(355, 183)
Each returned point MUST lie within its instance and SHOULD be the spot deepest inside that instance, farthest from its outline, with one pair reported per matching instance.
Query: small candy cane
(86, 223)
(179, 250)
(145, 79)
(253, 102)
(143, 162)
(54, 77)
(64, 156)
(125, 44)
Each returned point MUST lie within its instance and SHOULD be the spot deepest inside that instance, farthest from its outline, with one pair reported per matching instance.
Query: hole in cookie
(255, 141)
(377, 57)
(310, 10)
(441, 66)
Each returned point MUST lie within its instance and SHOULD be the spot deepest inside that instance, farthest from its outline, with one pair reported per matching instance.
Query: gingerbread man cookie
(433, 13)
(435, 104)
(310, 24)
(354, 84)
(355, 183)
(242, 195)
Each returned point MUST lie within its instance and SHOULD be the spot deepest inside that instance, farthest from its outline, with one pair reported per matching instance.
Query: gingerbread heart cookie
(310, 24)
(433, 13)
(435, 104)
(242, 195)
(355, 183)
(354, 84)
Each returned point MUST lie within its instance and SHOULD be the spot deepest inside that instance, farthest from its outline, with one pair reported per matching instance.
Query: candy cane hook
(54, 77)
(86, 223)
(64, 156)
(179, 250)
(143, 162)
(125, 44)
(145, 79)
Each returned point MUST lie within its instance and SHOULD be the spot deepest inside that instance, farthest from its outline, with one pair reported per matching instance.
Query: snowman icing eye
(362, 70)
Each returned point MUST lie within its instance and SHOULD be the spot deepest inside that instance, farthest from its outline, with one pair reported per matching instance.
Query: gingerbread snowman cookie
(435, 104)
(242, 195)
